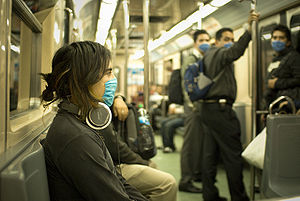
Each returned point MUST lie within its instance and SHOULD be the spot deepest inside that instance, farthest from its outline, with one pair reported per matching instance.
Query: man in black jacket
(222, 128)
(283, 78)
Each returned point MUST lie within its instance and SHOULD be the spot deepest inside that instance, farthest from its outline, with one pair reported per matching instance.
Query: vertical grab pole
(113, 33)
(254, 94)
(126, 35)
(146, 53)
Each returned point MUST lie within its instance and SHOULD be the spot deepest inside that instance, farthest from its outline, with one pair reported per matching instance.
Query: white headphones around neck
(97, 118)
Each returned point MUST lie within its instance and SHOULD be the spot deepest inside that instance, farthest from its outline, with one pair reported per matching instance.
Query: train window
(14, 62)
(21, 67)
(295, 30)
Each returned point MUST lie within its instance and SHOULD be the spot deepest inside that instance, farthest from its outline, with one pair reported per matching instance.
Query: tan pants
(152, 183)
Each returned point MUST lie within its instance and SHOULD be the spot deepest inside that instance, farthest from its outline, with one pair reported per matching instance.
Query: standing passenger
(79, 166)
(191, 151)
(283, 78)
(222, 128)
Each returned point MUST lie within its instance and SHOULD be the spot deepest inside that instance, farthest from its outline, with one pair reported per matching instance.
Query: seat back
(26, 178)
(281, 173)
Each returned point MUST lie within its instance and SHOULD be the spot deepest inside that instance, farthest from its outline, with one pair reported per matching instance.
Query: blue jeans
(167, 130)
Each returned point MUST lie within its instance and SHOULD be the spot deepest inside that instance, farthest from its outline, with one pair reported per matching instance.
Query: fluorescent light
(267, 36)
(15, 48)
(184, 41)
(188, 22)
(138, 54)
(219, 3)
(56, 33)
(207, 10)
(107, 10)
(297, 28)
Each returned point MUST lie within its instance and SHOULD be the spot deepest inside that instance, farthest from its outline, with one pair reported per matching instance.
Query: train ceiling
(163, 14)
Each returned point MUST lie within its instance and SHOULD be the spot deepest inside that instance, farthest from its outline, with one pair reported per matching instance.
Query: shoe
(218, 199)
(190, 188)
(197, 180)
(168, 150)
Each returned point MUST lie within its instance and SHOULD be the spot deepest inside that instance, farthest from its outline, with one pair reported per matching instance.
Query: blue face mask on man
(204, 47)
(109, 93)
(228, 45)
(278, 45)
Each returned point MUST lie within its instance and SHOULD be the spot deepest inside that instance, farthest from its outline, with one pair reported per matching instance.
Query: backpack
(138, 133)
(197, 84)
(175, 88)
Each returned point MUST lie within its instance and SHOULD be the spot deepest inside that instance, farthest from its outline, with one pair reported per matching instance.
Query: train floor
(170, 162)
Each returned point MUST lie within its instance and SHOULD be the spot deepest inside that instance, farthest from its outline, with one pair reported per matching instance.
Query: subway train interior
(148, 39)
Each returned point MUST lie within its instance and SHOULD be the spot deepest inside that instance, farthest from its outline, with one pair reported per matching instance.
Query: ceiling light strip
(107, 10)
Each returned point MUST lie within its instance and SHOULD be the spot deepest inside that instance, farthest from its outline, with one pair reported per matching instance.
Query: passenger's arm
(86, 164)
(119, 149)
(237, 50)
(294, 80)
(120, 108)
(233, 53)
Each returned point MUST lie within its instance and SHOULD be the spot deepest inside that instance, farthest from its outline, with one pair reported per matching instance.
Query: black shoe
(190, 188)
(197, 180)
(218, 199)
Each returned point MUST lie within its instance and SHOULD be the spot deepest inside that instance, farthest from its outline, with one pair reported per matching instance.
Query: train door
(264, 59)
(293, 20)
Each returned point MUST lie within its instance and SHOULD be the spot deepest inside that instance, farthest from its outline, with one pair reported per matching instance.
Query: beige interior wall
(25, 67)
(47, 19)
(243, 78)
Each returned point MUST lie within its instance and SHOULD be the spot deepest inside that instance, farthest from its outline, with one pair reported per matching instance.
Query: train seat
(281, 175)
(26, 178)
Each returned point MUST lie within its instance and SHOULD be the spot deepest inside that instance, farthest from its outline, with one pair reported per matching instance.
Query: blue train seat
(25, 179)
(281, 173)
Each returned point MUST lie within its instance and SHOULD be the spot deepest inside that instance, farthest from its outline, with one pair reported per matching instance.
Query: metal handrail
(290, 101)
(23, 12)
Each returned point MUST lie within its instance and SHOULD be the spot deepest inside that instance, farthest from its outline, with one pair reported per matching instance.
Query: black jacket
(218, 59)
(286, 67)
(79, 166)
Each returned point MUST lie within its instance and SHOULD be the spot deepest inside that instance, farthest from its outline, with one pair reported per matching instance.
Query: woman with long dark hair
(79, 166)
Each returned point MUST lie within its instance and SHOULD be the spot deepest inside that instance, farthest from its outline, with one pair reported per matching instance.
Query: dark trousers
(191, 151)
(168, 127)
(221, 139)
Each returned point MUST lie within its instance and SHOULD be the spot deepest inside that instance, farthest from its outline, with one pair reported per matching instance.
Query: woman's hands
(120, 108)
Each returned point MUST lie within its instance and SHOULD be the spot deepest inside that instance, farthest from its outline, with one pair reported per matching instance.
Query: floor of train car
(170, 162)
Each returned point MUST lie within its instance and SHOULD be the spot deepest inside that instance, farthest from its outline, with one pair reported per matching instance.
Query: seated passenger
(79, 166)
(169, 125)
(283, 78)
(152, 183)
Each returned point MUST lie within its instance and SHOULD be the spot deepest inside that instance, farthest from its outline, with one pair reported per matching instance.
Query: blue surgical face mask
(278, 45)
(109, 93)
(204, 47)
(228, 45)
